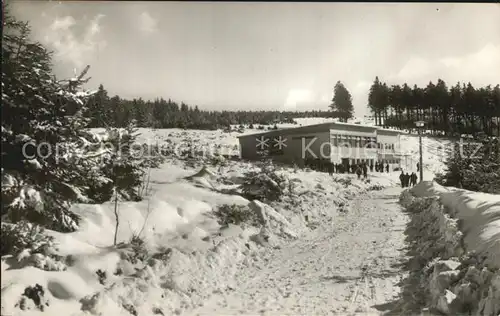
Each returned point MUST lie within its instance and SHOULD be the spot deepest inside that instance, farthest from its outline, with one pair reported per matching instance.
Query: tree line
(160, 113)
(459, 109)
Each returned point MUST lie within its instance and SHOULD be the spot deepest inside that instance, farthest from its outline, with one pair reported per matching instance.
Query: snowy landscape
(333, 245)
(137, 217)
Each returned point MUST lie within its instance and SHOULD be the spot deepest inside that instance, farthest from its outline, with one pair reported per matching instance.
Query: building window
(335, 141)
(345, 141)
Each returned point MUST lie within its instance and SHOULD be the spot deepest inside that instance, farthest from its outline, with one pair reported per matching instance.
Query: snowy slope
(189, 255)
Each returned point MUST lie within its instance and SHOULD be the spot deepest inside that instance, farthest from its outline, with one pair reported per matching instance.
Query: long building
(335, 142)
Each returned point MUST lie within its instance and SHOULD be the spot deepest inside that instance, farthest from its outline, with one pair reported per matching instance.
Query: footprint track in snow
(341, 267)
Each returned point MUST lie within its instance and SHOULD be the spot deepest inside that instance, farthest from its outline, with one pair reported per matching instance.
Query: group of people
(360, 169)
(408, 179)
(379, 167)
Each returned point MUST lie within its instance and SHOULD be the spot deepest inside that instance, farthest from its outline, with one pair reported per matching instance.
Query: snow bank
(185, 252)
(454, 249)
(187, 255)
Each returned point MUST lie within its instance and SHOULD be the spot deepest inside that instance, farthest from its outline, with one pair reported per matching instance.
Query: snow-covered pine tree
(43, 158)
(123, 167)
(474, 167)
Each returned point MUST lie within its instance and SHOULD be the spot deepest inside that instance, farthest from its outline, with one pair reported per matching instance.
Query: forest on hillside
(456, 110)
(104, 111)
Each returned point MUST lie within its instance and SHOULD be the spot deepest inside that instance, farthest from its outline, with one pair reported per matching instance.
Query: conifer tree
(342, 102)
(44, 162)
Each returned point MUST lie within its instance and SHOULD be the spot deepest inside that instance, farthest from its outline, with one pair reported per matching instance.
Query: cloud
(62, 23)
(296, 96)
(67, 46)
(147, 23)
(451, 62)
(94, 27)
(480, 68)
(416, 67)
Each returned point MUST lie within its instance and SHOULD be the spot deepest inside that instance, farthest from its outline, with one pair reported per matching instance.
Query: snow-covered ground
(188, 255)
(454, 240)
(347, 265)
(332, 247)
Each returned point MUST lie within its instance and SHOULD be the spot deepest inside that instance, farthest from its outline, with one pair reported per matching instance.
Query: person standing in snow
(371, 167)
(358, 171)
(413, 179)
(402, 178)
(365, 170)
(387, 168)
(407, 180)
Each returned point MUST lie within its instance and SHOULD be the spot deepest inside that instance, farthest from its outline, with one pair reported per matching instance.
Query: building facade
(335, 142)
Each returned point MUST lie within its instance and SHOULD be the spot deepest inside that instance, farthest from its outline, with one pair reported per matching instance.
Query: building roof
(320, 128)
(393, 131)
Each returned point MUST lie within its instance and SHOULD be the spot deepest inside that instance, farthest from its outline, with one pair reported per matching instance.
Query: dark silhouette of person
(371, 167)
(402, 179)
(365, 171)
(413, 179)
(407, 180)
(387, 168)
(418, 167)
(358, 171)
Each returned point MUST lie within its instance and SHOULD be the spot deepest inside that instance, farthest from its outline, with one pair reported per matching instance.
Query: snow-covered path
(348, 265)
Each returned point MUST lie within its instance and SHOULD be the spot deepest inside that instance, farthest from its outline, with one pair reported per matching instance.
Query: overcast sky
(283, 56)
